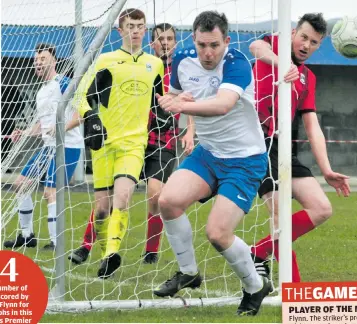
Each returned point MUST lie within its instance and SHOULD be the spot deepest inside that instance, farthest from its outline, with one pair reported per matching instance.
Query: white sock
(179, 234)
(238, 257)
(26, 215)
(52, 216)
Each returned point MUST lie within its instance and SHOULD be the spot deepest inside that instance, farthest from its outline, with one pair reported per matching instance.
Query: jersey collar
(134, 57)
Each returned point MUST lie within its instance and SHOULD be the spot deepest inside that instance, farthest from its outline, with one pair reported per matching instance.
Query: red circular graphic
(23, 289)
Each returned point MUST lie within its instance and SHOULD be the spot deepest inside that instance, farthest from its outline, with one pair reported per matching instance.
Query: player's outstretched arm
(74, 122)
(262, 51)
(35, 130)
(221, 104)
(318, 147)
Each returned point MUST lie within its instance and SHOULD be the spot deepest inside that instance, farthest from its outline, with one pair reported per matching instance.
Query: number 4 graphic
(12, 270)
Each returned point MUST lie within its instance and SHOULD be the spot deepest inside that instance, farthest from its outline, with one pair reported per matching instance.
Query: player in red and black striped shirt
(160, 155)
(306, 39)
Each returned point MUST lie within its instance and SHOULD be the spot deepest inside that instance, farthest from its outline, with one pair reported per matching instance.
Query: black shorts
(158, 164)
(298, 170)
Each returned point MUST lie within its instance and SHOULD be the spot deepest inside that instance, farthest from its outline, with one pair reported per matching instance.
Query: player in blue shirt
(216, 86)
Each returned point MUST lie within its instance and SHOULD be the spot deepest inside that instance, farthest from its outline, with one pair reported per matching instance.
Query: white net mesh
(24, 25)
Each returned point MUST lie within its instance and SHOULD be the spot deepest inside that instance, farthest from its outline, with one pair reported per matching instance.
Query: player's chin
(302, 57)
(136, 41)
(209, 66)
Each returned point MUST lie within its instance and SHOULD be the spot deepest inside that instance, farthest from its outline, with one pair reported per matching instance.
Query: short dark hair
(206, 21)
(135, 14)
(164, 27)
(316, 20)
(40, 47)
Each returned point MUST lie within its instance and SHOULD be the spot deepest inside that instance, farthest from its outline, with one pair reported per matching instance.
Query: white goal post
(76, 288)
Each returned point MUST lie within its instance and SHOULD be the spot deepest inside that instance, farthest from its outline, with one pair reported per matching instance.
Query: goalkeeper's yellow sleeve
(81, 99)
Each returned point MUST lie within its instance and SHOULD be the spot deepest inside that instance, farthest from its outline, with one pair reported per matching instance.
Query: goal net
(72, 25)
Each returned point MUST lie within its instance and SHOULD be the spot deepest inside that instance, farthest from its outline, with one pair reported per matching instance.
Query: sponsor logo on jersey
(302, 78)
(194, 79)
(214, 82)
(134, 88)
(148, 67)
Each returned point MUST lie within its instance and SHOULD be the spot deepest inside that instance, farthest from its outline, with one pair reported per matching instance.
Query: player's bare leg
(308, 192)
(316, 210)
(222, 221)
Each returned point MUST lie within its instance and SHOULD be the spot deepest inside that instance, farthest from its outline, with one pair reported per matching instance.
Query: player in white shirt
(216, 86)
(44, 162)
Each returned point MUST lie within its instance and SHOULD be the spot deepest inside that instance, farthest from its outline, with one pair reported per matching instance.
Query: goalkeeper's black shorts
(158, 164)
(298, 170)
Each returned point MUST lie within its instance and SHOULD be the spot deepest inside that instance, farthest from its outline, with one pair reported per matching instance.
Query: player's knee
(16, 185)
(322, 210)
(165, 202)
(217, 237)
(122, 200)
(49, 194)
(102, 213)
(275, 219)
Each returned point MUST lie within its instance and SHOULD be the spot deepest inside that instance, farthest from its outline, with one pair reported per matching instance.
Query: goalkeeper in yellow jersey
(115, 97)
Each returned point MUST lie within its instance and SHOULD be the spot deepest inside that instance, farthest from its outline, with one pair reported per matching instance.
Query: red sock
(89, 235)
(295, 268)
(155, 226)
(263, 248)
(301, 224)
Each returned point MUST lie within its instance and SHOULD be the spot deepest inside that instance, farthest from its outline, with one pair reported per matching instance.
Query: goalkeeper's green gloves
(94, 132)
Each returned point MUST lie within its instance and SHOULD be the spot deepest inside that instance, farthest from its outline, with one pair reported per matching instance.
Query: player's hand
(293, 74)
(16, 135)
(94, 132)
(339, 182)
(187, 143)
(169, 103)
(173, 104)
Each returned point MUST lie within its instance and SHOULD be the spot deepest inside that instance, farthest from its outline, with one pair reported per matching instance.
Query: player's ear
(293, 33)
(227, 40)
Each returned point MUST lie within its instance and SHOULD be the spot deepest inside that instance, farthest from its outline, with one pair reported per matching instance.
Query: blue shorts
(45, 159)
(237, 179)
